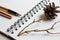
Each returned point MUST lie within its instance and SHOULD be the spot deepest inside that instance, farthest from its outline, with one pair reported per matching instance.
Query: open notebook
(12, 28)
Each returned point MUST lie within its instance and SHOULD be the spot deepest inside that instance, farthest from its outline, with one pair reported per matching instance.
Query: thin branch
(25, 27)
(28, 26)
(36, 30)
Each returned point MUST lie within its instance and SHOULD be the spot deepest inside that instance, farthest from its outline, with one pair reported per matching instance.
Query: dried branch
(25, 27)
(28, 26)
(37, 30)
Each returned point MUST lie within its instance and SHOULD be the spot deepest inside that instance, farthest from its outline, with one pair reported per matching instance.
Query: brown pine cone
(50, 11)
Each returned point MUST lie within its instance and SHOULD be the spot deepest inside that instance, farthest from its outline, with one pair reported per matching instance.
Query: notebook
(11, 28)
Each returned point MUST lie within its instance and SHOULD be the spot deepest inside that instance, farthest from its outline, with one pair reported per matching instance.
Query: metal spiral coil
(28, 15)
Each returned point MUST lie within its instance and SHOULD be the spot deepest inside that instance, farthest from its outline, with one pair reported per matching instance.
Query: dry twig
(37, 30)
(27, 26)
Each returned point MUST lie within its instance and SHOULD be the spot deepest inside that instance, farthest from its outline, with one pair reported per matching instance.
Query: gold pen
(5, 15)
(9, 11)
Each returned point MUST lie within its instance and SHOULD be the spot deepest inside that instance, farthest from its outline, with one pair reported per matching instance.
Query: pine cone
(50, 11)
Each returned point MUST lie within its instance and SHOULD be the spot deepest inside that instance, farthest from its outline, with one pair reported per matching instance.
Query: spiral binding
(27, 16)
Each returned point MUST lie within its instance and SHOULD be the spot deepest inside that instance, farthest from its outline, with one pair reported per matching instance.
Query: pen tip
(18, 14)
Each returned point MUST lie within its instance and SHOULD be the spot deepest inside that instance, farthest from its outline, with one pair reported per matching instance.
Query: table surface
(3, 37)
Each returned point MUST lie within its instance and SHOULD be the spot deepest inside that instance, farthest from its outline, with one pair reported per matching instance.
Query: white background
(23, 6)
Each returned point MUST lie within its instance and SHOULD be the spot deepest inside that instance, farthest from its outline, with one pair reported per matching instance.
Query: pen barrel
(5, 15)
(9, 11)
(3, 8)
